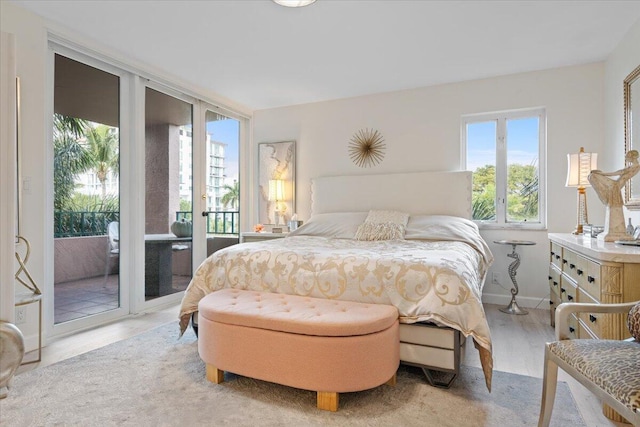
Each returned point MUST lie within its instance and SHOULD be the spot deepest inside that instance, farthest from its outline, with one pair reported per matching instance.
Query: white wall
(622, 61)
(421, 128)
(8, 134)
(31, 47)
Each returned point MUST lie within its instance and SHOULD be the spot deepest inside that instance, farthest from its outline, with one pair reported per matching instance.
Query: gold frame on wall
(631, 202)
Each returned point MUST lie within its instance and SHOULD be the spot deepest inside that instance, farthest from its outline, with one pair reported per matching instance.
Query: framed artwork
(276, 182)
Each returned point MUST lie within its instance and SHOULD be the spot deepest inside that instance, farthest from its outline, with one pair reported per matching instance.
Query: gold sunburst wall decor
(366, 148)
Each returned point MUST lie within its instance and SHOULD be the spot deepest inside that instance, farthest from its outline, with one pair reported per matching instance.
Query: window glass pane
(168, 194)
(86, 170)
(481, 160)
(223, 184)
(522, 169)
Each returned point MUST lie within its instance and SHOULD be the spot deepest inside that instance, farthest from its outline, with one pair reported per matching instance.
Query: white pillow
(338, 225)
(383, 225)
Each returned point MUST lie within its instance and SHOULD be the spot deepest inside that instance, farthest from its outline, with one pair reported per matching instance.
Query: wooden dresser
(581, 269)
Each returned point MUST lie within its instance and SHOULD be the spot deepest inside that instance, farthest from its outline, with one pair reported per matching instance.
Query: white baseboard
(31, 343)
(525, 302)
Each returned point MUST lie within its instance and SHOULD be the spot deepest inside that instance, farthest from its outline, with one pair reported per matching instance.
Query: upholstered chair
(608, 368)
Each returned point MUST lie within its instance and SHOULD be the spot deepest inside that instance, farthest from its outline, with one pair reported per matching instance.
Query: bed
(434, 275)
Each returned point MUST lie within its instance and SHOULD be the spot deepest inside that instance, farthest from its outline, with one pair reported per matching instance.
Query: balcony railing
(85, 223)
(218, 222)
(82, 223)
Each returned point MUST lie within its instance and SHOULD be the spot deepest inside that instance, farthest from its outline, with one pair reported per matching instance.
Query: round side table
(513, 307)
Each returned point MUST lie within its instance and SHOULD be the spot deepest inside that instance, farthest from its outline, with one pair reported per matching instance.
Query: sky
(227, 131)
(522, 143)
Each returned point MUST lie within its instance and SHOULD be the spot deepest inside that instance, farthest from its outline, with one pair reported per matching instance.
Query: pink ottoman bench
(313, 344)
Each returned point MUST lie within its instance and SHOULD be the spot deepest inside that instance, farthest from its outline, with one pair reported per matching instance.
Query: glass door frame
(200, 170)
(138, 302)
(51, 329)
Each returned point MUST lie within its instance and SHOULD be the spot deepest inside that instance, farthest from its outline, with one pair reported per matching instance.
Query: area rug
(156, 379)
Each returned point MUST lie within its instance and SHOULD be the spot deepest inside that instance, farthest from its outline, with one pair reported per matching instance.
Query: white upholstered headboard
(433, 193)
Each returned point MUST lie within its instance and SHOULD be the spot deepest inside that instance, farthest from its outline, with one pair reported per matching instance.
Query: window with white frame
(506, 153)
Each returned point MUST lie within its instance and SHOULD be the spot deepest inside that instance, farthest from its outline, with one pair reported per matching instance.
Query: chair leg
(549, 383)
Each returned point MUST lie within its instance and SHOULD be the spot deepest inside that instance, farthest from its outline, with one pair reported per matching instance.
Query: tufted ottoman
(314, 344)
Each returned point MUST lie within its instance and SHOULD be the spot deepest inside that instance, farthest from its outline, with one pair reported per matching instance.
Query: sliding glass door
(222, 178)
(86, 193)
(131, 161)
(168, 194)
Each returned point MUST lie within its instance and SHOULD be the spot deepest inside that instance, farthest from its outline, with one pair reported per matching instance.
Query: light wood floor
(518, 345)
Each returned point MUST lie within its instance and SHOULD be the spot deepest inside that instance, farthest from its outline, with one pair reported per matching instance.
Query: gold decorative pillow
(383, 225)
(370, 231)
(633, 321)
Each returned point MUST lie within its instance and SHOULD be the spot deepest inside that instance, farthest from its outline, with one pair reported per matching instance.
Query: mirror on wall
(276, 182)
(632, 133)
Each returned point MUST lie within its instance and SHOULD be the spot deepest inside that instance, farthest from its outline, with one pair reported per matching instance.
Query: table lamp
(579, 166)
(276, 194)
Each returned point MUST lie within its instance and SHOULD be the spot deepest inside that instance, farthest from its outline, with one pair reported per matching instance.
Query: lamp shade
(276, 190)
(579, 165)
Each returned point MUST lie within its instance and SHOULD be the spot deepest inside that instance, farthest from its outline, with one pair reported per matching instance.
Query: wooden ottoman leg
(328, 401)
(214, 374)
(392, 381)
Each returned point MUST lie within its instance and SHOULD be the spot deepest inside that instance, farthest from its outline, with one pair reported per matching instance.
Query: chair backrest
(113, 231)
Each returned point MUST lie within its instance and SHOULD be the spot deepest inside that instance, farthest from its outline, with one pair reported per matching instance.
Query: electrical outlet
(21, 315)
(495, 278)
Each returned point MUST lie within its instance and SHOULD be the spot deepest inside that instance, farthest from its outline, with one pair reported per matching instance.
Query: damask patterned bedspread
(437, 281)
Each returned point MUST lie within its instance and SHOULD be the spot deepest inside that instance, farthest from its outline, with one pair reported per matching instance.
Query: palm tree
(103, 145)
(70, 157)
(232, 196)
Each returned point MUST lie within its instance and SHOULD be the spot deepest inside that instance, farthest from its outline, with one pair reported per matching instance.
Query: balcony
(86, 276)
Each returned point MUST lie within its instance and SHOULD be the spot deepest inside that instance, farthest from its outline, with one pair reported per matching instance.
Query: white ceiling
(262, 55)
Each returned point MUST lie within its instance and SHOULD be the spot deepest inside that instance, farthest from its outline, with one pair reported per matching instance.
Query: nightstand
(250, 236)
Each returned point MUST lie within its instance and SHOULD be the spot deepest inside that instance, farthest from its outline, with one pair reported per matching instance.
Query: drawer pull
(591, 279)
(579, 272)
(555, 283)
(592, 318)
(571, 329)
(557, 256)
(564, 261)
(549, 277)
(552, 253)
(572, 266)
(550, 302)
(570, 297)
(563, 290)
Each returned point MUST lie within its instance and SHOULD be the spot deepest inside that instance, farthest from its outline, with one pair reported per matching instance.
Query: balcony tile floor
(94, 295)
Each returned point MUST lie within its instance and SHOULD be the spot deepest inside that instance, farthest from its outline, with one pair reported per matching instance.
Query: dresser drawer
(572, 325)
(581, 270)
(568, 290)
(554, 281)
(556, 255)
(590, 321)
(570, 267)
(566, 259)
(585, 333)
(591, 283)
(554, 302)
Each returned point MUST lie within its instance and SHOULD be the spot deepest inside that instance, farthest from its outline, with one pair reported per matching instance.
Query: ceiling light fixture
(294, 3)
